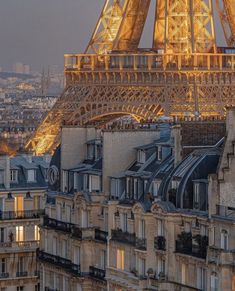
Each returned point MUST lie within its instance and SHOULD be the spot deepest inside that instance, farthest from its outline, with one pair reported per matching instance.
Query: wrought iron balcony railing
(62, 226)
(26, 214)
(59, 262)
(140, 243)
(191, 250)
(4, 275)
(160, 243)
(101, 235)
(97, 273)
(123, 237)
(22, 274)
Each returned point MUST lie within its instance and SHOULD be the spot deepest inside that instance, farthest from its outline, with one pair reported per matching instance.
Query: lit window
(120, 259)
(31, 175)
(36, 202)
(36, 232)
(19, 203)
(14, 176)
(19, 233)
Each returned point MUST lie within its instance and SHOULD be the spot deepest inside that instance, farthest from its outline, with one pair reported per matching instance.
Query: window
(36, 232)
(183, 274)
(120, 259)
(2, 236)
(142, 267)
(196, 196)
(19, 233)
(94, 183)
(3, 265)
(224, 240)
(85, 220)
(1, 204)
(20, 288)
(214, 282)
(19, 203)
(135, 188)
(141, 158)
(103, 260)
(14, 176)
(159, 153)
(124, 222)
(160, 230)
(76, 255)
(142, 229)
(155, 189)
(128, 186)
(36, 202)
(31, 175)
(187, 227)
(161, 267)
(20, 265)
(201, 279)
(65, 181)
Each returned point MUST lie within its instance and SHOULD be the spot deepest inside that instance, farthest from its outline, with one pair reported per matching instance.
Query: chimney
(177, 138)
(5, 163)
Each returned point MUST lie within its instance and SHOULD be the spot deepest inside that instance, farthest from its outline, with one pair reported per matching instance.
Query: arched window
(224, 240)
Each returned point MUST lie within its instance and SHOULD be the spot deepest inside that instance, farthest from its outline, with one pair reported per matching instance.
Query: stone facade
(116, 223)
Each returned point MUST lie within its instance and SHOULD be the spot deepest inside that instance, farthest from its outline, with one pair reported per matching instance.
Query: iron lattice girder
(80, 103)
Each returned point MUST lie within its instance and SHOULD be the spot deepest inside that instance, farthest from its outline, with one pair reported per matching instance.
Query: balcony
(192, 250)
(21, 274)
(123, 237)
(26, 214)
(18, 246)
(140, 243)
(160, 243)
(62, 226)
(4, 275)
(97, 273)
(101, 235)
(66, 264)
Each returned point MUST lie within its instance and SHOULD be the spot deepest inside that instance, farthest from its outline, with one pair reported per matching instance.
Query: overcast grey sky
(39, 32)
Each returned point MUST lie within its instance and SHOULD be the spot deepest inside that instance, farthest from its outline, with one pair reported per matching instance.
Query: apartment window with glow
(201, 279)
(36, 202)
(14, 176)
(36, 232)
(19, 203)
(120, 259)
(19, 233)
(224, 240)
(31, 175)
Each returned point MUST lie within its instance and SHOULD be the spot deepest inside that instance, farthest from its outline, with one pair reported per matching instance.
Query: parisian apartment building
(23, 186)
(141, 209)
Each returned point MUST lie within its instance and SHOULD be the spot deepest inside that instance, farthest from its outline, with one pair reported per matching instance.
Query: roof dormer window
(14, 176)
(159, 153)
(31, 176)
(141, 157)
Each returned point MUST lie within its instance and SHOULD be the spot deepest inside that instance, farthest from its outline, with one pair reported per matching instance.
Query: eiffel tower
(183, 74)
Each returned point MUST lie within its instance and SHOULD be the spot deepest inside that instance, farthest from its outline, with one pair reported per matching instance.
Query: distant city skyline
(39, 33)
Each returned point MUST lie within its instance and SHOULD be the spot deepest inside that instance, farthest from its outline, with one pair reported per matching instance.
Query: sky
(40, 32)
